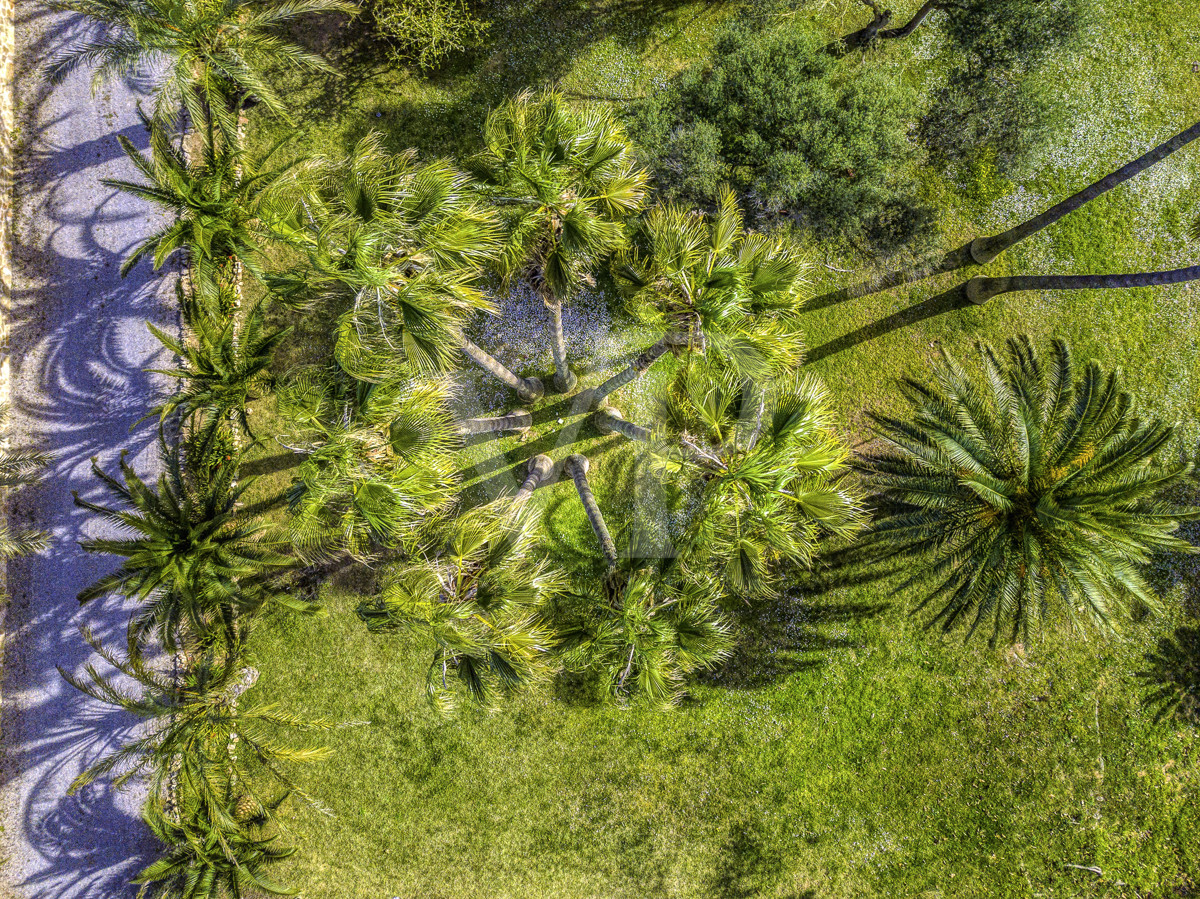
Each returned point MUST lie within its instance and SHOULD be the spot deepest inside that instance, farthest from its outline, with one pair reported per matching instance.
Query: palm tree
(220, 375)
(646, 629)
(710, 285)
(19, 468)
(1033, 492)
(985, 249)
(516, 420)
(980, 290)
(201, 736)
(211, 852)
(577, 467)
(481, 600)
(768, 472)
(376, 466)
(540, 468)
(203, 55)
(566, 181)
(396, 249)
(192, 560)
(221, 206)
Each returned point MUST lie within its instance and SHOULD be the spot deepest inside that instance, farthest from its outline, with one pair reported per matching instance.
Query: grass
(844, 752)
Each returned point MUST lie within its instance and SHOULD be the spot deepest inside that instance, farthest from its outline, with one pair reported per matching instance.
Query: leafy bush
(426, 31)
(794, 130)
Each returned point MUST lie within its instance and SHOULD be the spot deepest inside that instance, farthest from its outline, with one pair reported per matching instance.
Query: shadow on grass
(951, 262)
(750, 865)
(1172, 676)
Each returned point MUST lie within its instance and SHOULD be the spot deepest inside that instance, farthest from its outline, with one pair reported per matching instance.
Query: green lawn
(844, 752)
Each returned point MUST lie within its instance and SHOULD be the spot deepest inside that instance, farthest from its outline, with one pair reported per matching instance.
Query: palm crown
(396, 247)
(769, 471)
(205, 54)
(481, 599)
(1035, 490)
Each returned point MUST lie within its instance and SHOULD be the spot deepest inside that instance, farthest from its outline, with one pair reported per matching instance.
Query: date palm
(202, 55)
(221, 372)
(395, 248)
(19, 468)
(200, 732)
(566, 181)
(222, 205)
(481, 599)
(192, 560)
(710, 285)
(1030, 493)
(768, 472)
(376, 466)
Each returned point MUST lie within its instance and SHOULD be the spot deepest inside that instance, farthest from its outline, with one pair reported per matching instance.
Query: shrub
(426, 31)
(795, 131)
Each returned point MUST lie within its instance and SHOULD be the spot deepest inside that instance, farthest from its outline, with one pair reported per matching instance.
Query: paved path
(80, 345)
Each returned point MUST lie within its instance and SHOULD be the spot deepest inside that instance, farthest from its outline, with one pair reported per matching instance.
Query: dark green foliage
(19, 468)
(1033, 493)
(796, 131)
(985, 103)
(426, 31)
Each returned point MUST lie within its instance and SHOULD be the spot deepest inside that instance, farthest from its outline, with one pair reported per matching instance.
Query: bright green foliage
(224, 367)
(18, 468)
(204, 55)
(192, 560)
(566, 180)
(219, 207)
(733, 294)
(1030, 493)
(395, 249)
(211, 851)
(769, 469)
(984, 104)
(481, 599)
(426, 31)
(646, 629)
(376, 463)
(192, 717)
(780, 119)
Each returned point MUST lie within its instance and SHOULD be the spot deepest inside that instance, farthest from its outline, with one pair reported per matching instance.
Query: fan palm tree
(481, 600)
(566, 181)
(221, 206)
(396, 249)
(200, 732)
(220, 375)
(203, 55)
(19, 468)
(376, 464)
(710, 285)
(1034, 491)
(766, 468)
(192, 560)
(211, 852)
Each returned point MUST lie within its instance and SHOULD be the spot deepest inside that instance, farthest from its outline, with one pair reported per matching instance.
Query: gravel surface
(80, 345)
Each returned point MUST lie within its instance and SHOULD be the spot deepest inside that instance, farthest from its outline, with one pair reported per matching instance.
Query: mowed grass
(844, 751)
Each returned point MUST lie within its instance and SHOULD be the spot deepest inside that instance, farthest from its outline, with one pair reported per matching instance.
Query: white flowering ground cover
(843, 752)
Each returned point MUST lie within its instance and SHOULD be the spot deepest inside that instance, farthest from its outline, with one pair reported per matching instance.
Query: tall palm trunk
(610, 421)
(577, 468)
(529, 389)
(985, 249)
(564, 378)
(517, 420)
(918, 17)
(635, 369)
(540, 467)
(980, 290)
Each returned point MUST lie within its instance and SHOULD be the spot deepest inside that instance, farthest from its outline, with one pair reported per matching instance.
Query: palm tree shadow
(919, 271)
(949, 301)
(1172, 676)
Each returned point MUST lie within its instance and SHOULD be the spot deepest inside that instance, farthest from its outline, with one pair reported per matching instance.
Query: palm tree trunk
(635, 369)
(577, 467)
(610, 421)
(985, 249)
(911, 26)
(564, 378)
(980, 290)
(529, 389)
(517, 420)
(540, 467)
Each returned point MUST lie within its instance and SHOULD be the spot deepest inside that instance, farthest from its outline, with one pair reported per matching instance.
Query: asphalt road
(80, 345)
